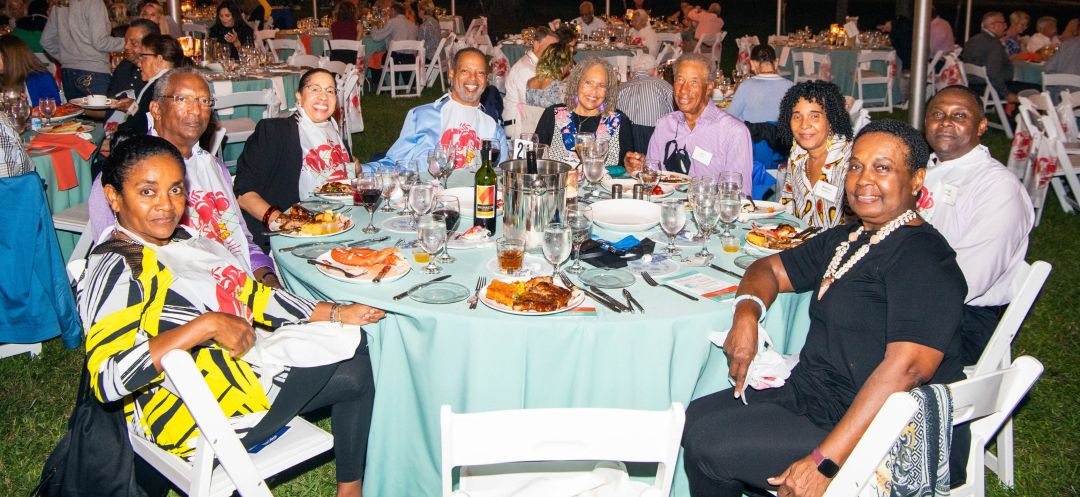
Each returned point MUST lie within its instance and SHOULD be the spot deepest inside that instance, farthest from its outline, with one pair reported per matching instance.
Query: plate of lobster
(768, 240)
(362, 265)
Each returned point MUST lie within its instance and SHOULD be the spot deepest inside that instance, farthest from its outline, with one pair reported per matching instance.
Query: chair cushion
(72, 219)
(238, 125)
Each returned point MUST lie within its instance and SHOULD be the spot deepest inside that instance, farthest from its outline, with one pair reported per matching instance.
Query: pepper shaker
(616, 191)
(639, 191)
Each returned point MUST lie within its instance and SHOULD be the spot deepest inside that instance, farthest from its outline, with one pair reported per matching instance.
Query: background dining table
(285, 82)
(427, 355)
(56, 198)
(843, 61)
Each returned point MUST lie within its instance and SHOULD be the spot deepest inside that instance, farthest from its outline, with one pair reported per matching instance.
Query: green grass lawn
(36, 396)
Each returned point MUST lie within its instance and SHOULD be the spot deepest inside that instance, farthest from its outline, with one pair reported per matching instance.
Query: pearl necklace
(835, 271)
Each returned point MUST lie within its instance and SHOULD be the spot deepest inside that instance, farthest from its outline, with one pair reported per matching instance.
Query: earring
(601, 108)
(575, 101)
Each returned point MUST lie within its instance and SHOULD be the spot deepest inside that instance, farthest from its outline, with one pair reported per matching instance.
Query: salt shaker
(639, 191)
(616, 191)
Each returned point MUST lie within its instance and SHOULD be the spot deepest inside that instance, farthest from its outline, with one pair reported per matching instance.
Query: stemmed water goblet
(367, 191)
(706, 213)
(730, 182)
(579, 219)
(47, 107)
(594, 172)
(557, 243)
(730, 207)
(649, 176)
(389, 174)
(672, 221)
(421, 199)
(583, 144)
(449, 207)
(407, 177)
(699, 187)
(440, 162)
(431, 232)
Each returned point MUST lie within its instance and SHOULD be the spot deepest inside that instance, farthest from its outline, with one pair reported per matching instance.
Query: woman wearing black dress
(230, 29)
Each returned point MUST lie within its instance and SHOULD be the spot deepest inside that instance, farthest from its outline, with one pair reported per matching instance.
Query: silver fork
(652, 282)
(480, 283)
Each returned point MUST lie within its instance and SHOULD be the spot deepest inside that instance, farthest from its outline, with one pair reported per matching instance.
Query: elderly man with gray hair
(644, 98)
(643, 33)
(180, 113)
(588, 21)
(698, 139)
(1046, 30)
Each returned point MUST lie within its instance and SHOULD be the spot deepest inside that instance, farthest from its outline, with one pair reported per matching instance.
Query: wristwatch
(825, 466)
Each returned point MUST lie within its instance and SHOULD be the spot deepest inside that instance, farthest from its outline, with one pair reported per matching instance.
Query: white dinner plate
(765, 209)
(576, 298)
(50, 130)
(397, 271)
(672, 178)
(628, 186)
(626, 214)
(81, 102)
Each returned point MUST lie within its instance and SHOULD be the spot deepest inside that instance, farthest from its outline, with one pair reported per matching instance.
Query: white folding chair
(998, 355)
(1045, 132)
(261, 37)
(277, 45)
(435, 67)
(192, 29)
(574, 434)
(337, 67)
(990, 96)
(859, 115)
(866, 75)
(1060, 79)
(669, 39)
(350, 88)
(239, 129)
(392, 69)
(354, 46)
(303, 60)
(983, 401)
(621, 63)
(817, 60)
(216, 140)
(666, 53)
(237, 470)
(714, 42)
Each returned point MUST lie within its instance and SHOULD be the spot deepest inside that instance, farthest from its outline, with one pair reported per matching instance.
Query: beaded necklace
(835, 271)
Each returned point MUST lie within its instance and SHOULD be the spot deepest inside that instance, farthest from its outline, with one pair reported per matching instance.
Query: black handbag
(94, 458)
(676, 159)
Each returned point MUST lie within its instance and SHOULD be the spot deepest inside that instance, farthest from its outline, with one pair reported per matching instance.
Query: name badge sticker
(826, 191)
(949, 194)
(701, 155)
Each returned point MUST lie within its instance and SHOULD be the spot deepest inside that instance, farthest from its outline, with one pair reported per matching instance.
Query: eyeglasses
(318, 90)
(191, 99)
(146, 54)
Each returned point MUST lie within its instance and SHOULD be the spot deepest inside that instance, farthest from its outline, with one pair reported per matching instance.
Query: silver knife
(725, 271)
(630, 298)
(298, 247)
(369, 241)
(420, 285)
(611, 300)
(600, 300)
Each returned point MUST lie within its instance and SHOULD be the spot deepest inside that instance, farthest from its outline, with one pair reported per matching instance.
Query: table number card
(519, 149)
(704, 285)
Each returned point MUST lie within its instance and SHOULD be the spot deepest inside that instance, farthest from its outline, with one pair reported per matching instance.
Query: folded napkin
(768, 368)
(605, 254)
(306, 40)
(63, 163)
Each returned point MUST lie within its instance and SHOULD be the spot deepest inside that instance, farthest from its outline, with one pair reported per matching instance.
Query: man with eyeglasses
(456, 120)
(180, 114)
(985, 49)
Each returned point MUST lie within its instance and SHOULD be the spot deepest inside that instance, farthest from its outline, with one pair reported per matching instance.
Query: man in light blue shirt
(758, 98)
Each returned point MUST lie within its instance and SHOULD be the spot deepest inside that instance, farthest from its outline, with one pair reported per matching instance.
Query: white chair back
(874, 445)
(669, 39)
(621, 63)
(865, 74)
(265, 98)
(1060, 79)
(192, 29)
(810, 66)
(666, 53)
(436, 67)
(391, 69)
(350, 88)
(262, 36)
(990, 96)
(520, 435)
(337, 67)
(277, 45)
(308, 61)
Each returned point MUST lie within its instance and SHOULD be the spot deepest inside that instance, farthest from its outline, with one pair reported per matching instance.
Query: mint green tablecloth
(515, 52)
(1028, 72)
(290, 83)
(59, 200)
(317, 44)
(427, 355)
(843, 62)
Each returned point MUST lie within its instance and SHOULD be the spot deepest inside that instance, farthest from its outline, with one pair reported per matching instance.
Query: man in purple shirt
(712, 140)
(180, 113)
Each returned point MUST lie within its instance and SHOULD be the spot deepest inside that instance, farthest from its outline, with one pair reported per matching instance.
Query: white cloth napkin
(768, 369)
(279, 89)
(785, 52)
(852, 29)
(221, 89)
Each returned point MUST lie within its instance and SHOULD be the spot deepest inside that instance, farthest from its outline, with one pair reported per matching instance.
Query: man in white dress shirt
(980, 208)
(643, 32)
(522, 71)
(1046, 31)
(589, 23)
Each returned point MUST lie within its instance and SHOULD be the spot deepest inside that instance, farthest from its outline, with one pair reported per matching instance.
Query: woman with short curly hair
(590, 105)
(813, 117)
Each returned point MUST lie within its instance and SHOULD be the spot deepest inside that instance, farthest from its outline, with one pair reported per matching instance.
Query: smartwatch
(825, 466)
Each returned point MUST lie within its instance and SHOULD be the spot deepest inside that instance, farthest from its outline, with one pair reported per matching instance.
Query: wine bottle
(484, 191)
(530, 161)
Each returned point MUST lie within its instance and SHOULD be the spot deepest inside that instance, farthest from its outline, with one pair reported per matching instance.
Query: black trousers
(976, 328)
(732, 448)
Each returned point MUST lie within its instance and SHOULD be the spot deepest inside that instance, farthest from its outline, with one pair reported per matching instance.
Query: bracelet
(756, 300)
(334, 318)
(266, 215)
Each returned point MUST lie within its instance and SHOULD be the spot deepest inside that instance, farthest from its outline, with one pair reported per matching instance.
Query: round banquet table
(513, 52)
(314, 44)
(426, 355)
(285, 84)
(57, 199)
(1028, 72)
(843, 62)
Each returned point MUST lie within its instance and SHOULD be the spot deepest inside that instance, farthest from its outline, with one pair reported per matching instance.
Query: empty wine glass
(421, 198)
(600, 147)
(388, 174)
(407, 177)
(557, 242)
(431, 232)
(20, 113)
(440, 162)
(579, 219)
(449, 207)
(367, 191)
(47, 107)
(706, 213)
(672, 221)
(649, 176)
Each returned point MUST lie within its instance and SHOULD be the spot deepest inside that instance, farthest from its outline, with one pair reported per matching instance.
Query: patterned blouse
(567, 123)
(127, 296)
(799, 193)
(1012, 45)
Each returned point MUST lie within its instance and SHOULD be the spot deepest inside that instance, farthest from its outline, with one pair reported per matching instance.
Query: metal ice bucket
(531, 201)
